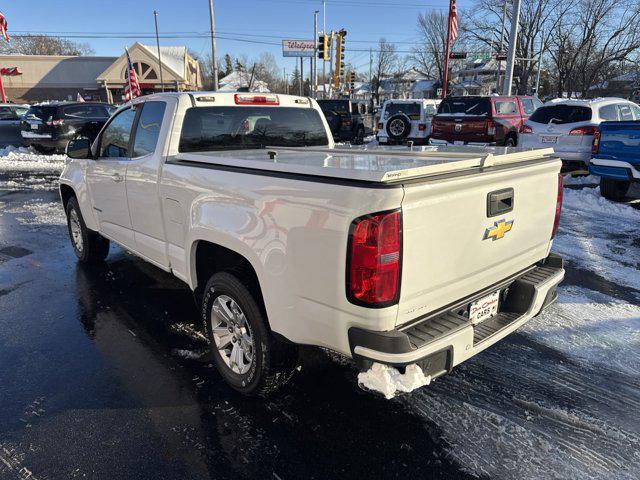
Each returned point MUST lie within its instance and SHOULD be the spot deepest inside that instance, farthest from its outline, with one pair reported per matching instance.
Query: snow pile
(37, 213)
(580, 180)
(21, 159)
(388, 380)
(591, 203)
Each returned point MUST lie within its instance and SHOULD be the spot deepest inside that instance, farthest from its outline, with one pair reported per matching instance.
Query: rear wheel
(614, 190)
(89, 246)
(510, 142)
(245, 353)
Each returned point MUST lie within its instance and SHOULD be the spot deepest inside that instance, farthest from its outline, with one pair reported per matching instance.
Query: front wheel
(614, 190)
(245, 353)
(89, 246)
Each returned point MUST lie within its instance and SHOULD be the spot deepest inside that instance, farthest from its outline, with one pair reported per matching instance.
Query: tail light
(422, 127)
(526, 129)
(380, 126)
(250, 99)
(556, 220)
(373, 262)
(56, 123)
(588, 130)
(491, 127)
(596, 142)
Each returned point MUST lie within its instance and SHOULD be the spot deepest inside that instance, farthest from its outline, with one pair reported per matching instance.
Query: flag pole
(130, 97)
(447, 53)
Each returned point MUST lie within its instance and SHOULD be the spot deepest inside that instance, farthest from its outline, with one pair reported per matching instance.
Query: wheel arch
(66, 192)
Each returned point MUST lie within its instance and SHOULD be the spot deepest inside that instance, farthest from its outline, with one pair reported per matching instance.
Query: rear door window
(85, 111)
(506, 107)
(528, 106)
(561, 114)
(636, 111)
(608, 112)
(114, 142)
(148, 128)
(625, 112)
(465, 106)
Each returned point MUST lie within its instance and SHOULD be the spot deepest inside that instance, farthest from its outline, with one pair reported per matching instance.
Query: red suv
(476, 120)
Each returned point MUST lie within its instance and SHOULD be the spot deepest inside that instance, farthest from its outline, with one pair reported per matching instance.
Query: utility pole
(371, 76)
(324, 62)
(300, 83)
(314, 60)
(214, 61)
(500, 47)
(447, 53)
(155, 18)
(511, 57)
(331, 51)
(539, 61)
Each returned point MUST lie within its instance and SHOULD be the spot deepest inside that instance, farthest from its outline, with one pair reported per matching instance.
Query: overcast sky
(238, 23)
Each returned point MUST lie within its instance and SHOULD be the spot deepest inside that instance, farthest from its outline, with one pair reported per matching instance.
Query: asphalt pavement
(100, 378)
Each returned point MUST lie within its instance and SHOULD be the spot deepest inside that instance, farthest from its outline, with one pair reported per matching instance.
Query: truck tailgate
(446, 253)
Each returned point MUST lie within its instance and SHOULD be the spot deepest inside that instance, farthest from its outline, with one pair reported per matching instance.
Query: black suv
(349, 120)
(49, 127)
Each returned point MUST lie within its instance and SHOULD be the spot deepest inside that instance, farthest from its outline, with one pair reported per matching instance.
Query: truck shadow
(319, 426)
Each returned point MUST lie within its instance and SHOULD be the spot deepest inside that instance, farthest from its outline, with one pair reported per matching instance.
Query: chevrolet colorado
(397, 257)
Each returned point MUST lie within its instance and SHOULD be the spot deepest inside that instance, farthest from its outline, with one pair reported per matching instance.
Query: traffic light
(352, 81)
(323, 47)
(457, 55)
(339, 58)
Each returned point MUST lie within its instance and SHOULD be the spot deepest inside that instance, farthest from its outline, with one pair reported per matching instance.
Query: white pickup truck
(391, 256)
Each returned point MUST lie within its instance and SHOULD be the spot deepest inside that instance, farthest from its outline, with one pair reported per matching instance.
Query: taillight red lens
(595, 146)
(422, 127)
(374, 256)
(556, 220)
(56, 123)
(491, 127)
(526, 129)
(588, 130)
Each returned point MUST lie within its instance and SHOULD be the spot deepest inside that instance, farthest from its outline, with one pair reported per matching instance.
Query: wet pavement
(97, 379)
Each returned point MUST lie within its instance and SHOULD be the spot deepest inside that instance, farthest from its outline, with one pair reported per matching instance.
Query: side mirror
(79, 148)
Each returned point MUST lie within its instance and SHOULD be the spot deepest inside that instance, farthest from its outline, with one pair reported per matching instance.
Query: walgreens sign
(298, 48)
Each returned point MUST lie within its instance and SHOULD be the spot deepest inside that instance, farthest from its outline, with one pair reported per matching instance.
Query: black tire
(398, 127)
(614, 190)
(272, 361)
(510, 141)
(359, 138)
(89, 246)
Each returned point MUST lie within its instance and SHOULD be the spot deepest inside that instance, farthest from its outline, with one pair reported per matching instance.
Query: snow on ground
(13, 159)
(580, 180)
(600, 235)
(34, 212)
(388, 380)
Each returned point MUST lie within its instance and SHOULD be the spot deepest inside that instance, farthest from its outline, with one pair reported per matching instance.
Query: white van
(406, 120)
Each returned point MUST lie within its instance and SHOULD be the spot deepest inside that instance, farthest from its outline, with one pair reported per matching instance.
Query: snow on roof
(171, 56)
(422, 85)
(584, 101)
(237, 80)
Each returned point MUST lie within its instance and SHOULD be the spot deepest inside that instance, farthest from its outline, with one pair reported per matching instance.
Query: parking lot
(101, 373)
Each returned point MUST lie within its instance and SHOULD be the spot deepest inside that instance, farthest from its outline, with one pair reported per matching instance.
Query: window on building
(148, 128)
(114, 142)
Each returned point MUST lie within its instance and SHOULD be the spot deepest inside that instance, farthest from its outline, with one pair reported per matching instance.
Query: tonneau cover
(378, 164)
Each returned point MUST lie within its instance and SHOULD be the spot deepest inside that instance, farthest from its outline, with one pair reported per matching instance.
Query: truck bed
(377, 165)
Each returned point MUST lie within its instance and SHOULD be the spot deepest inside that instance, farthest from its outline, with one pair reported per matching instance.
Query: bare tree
(43, 45)
(428, 57)
(384, 63)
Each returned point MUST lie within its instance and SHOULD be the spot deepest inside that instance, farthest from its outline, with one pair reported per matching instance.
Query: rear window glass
(528, 106)
(85, 111)
(411, 110)
(506, 107)
(560, 114)
(465, 106)
(334, 105)
(233, 128)
(608, 112)
(41, 113)
(6, 113)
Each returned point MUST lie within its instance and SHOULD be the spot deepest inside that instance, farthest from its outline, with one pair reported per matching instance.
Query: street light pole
(511, 57)
(314, 62)
(214, 61)
(324, 62)
(539, 62)
(155, 18)
(504, 19)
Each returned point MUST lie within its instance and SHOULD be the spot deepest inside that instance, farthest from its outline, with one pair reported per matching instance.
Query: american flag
(453, 20)
(3, 27)
(131, 87)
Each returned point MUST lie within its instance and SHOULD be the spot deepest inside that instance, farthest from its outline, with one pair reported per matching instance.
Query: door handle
(499, 202)
(117, 177)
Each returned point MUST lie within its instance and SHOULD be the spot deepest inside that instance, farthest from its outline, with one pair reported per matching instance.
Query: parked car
(616, 157)
(287, 241)
(349, 120)
(49, 127)
(10, 115)
(478, 120)
(569, 126)
(406, 120)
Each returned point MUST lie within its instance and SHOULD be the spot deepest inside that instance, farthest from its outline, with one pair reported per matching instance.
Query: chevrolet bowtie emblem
(499, 230)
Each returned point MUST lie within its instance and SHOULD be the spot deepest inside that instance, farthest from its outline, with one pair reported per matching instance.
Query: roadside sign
(298, 48)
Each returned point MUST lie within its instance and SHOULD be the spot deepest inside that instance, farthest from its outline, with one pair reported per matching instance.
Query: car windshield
(560, 114)
(339, 106)
(41, 113)
(233, 128)
(465, 106)
(411, 110)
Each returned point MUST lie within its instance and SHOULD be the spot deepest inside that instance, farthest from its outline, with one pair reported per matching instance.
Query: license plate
(458, 142)
(548, 139)
(34, 126)
(484, 308)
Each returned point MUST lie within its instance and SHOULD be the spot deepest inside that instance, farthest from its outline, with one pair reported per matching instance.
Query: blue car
(616, 157)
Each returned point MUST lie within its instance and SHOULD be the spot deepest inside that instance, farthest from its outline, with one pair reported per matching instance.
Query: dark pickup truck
(616, 157)
(481, 120)
(349, 120)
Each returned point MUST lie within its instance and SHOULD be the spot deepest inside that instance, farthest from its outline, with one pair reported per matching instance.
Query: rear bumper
(438, 342)
(59, 144)
(384, 140)
(437, 141)
(615, 169)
